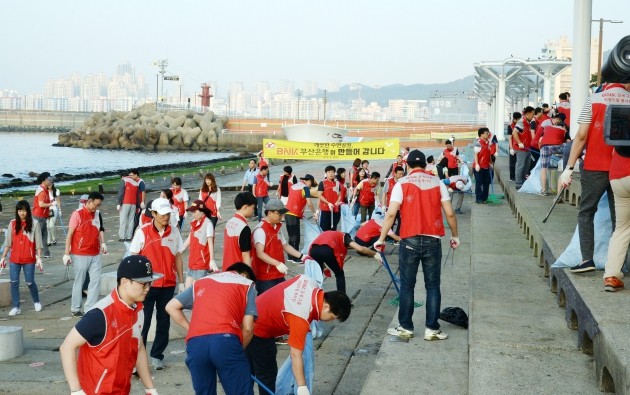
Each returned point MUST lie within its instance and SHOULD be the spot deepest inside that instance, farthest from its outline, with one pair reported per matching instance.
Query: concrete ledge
(11, 342)
(108, 283)
(5, 293)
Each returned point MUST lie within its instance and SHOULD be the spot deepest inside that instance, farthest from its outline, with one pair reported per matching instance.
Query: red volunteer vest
(552, 135)
(296, 202)
(298, 296)
(483, 156)
(106, 368)
(390, 185)
(354, 172)
(199, 256)
(368, 231)
(231, 250)
(333, 239)
(161, 251)
(209, 202)
(178, 198)
(598, 153)
(85, 239)
(289, 184)
(452, 159)
(261, 188)
(619, 167)
(22, 244)
(454, 180)
(525, 136)
(131, 191)
(564, 107)
(332, 189)
(273, 248)
(366, 193)
(219, 305)
(421, 208)
(41, 194)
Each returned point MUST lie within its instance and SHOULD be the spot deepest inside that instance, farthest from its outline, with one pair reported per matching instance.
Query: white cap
(161, 205)
(460, 185)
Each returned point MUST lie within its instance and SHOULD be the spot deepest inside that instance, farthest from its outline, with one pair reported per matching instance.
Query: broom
(395, 301)
(492, 197)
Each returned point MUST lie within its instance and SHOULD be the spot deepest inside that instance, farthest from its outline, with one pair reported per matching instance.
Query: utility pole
(325, 101)
(161, 64)
(299, 95)
(599, 51)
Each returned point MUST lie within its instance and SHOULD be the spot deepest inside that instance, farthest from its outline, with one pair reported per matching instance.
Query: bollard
(222, 170)
(242, 167)
(100, 188)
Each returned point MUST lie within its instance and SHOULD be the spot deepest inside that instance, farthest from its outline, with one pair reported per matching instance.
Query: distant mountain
(398, 91)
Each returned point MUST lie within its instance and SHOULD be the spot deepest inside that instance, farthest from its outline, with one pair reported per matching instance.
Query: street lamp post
(599, 52)
(298, 93)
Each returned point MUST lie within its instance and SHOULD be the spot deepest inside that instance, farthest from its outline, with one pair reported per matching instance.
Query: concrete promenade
(518, 341)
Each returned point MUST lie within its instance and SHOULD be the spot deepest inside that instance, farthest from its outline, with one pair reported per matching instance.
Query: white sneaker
(400, 332)
(38, 306)
(15, 311)
(434, 334)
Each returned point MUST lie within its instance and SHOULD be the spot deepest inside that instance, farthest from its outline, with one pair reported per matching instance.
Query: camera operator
(597, 163)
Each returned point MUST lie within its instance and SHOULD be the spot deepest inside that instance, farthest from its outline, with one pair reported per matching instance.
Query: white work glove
(450, 190)
(454, 242)
(379, 258)
(104, 248)
(79, 392)
(181, 287)
(477, 167)
(39, 264)
(3, 263)
(118, 207)
(67, 260)
(282, 268)
(316, 215)
(305, 258)
(142, 205)
(219, 215)
(53, 204)
(150, 391)
(213, 266)
(331, 206)
(566, 177)
(379, 245)
(512, 152)
(521, 145)
(303, 390)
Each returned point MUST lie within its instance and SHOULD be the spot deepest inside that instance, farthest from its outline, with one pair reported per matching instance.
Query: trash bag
(572, 255)
(285, 381)
(455, 316)
(378, 213)
(348, 220)
(533, 184)
(311, 231)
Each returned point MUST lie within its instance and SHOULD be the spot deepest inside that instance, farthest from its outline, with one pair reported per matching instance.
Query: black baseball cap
(308, 177)
(137, 268)
(417, 156)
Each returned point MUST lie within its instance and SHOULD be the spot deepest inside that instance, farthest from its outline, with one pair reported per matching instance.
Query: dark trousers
(261, 354)
(324, 255)
(293, 230)
(453, 171)
(594, 184)
(214, 221)
(513, 167)
(482, 185)
(325, 218)
(266, 285)
(157, 298)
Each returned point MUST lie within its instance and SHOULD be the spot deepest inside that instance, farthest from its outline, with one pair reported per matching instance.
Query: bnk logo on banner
(374, 149)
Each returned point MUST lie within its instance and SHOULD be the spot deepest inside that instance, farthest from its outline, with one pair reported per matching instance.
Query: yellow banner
(374, 149)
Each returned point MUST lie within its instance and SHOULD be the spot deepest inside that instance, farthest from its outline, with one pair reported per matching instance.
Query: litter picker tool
(396, 282)
(62, 227)
(555, 201)
(263, 386)
(451, 253)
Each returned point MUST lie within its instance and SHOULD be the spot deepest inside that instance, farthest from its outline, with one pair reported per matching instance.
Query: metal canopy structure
(514, 80)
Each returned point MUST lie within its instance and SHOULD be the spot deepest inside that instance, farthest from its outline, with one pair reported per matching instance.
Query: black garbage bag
(455, 316)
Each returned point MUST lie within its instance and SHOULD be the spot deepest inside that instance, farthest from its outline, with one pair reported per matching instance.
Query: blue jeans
(413, 251)
(220, 354)
(260, 207)
(29, 278)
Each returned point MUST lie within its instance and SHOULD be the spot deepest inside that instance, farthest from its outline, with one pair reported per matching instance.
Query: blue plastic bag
(348, 220)
(533, 184)
(311, 231)
(285, 382)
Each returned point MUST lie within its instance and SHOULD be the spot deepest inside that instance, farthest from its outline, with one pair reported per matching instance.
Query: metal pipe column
(582, 16)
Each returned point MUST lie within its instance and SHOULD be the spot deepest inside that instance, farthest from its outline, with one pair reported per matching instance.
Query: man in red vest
(420, 197)
(237, 235)
(131, 197)
(161, 243)
(221, 326)
(289, 308)
(329, 200)
(299, 198)
(366, 191)
(108, 337)
(482, 165)
(84, 243)
(522, 137)
(41, 208)
(452, 154)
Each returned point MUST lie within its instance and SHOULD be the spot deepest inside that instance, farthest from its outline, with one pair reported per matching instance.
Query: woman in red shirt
(211, 196)
(24, 239)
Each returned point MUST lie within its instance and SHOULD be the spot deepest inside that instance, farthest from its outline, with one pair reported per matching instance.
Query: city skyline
(353, 42)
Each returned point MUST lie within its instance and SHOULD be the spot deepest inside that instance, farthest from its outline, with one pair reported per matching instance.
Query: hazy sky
(371, 42)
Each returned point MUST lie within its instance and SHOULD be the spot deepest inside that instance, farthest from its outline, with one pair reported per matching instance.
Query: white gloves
(454, 242)
(118, 207)
(379, 258)
(379, 245)
(512, 152)
(305, 258)
(566, 177)
(282, 268)
(181, 287)
(142, 205)
(104, 248)
(150, 391)
(79, 392)
(521, 145)
(477, 167)
(213, 266)
(303, 390)
(39, 264)
(331, 207)
(67, 260)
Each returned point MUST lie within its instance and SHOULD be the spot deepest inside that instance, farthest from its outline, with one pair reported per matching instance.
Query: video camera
(617, 119)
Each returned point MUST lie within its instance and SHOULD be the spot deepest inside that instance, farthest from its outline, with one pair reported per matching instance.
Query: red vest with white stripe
(219, 303)
(298, 296)
(261, 188)
(22, 244)
(131, 190)
(370, 230)
(598, 153)
(41, 212)
(296, 202)
(199, 256)
(390, 185)
(421, 208)
(161, 251)
(209, 202)
(178, 199)
(85, 239)
(452, 159)
(231, 250)
(273, 248)
(332, 189)
(106, 368)
(333, 239)
(366, 193)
